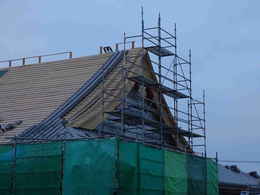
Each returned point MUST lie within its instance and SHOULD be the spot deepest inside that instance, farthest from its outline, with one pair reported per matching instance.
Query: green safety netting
(6, 169)
(105, 166)
(141, 169)
(128, 168)
(151, 170)
(197, 175)
(90, 167)
(176, 175)
(212, 177)
(38, 169)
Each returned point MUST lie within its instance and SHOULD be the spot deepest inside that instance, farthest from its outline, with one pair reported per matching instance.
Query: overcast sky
(224, 37)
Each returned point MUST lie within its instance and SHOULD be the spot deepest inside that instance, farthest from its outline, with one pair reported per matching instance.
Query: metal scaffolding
(174, 85)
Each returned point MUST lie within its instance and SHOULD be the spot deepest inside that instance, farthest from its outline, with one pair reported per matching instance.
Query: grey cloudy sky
(223, 35)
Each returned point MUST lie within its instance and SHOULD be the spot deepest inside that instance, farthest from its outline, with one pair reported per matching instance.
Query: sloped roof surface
(32, 92)
(91, 107)
(53, 127)
(61, 100)
(227, 176)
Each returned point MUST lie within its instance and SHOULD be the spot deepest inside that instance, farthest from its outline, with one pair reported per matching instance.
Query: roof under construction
(31, 93)
(61, 99)
(143, 94)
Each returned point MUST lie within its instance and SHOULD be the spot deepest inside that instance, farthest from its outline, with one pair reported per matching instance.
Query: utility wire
(239, 161)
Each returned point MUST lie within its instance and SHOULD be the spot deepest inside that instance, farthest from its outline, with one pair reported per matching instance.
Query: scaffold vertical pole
(160, 78)
(190, 102)
(103, 106)
(204, 124)
(175, 80)
(123, 77)
(142, 15)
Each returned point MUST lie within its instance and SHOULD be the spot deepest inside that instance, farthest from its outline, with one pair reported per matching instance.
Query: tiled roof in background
(228, 176)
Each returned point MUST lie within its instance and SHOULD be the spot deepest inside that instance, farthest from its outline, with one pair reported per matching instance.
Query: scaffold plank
(159, 51)
(164, 89)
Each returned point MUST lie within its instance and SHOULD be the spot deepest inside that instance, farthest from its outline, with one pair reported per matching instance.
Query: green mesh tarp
(197, 175)
(128, 168)
(176, 181)
(6, 169)
(90, 167)
(151, 162)
(105, 166)
(38, 169)
(2, 72)
(212, 177)
(141, 169)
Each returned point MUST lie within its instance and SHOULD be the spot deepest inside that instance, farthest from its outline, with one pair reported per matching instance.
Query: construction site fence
(103, 166)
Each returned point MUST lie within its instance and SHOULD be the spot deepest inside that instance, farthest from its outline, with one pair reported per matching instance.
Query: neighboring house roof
(63, 99)
(230, 177)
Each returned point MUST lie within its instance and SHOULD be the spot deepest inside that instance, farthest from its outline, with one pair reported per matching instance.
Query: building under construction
(121, 122)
